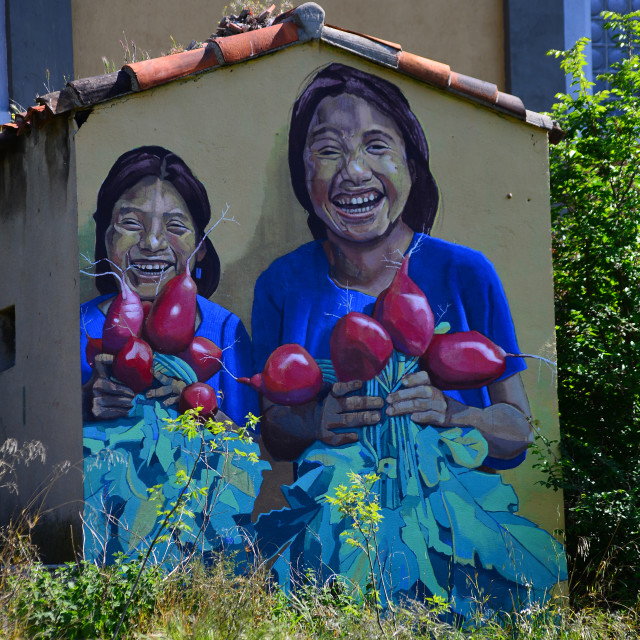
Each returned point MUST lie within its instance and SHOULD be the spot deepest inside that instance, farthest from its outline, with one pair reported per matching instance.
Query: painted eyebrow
(379, 132)
(369, 132)
(316, 133)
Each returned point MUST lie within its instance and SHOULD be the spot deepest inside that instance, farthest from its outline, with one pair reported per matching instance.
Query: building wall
(39, 392)
(467, 36)
(39, 48)
(491, 172)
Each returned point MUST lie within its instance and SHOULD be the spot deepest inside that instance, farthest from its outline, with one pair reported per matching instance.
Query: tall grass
(84, 601)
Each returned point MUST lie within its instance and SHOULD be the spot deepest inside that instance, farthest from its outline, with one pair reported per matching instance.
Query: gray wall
(39, 37)
(40, 393)
(532, 29)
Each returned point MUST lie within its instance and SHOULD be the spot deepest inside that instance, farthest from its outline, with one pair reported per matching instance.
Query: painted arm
(505, 424)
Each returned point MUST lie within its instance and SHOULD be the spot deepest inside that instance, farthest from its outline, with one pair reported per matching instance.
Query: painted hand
(169, 392)
(340, 412)
(419, 399)
(103, 397)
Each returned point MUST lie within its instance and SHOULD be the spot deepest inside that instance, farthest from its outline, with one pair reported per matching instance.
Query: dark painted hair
(158, 162)
(422, 204)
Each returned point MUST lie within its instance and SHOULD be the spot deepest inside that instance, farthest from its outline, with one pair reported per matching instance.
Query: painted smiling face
(151, 229)
(356, 168)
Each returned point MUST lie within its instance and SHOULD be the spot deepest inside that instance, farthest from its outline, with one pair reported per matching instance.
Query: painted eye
(377, 147)
(177, 227)
(130, 224)
(329, 152)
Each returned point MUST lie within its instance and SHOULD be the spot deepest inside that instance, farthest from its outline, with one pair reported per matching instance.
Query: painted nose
(153, 240)
(356, 168)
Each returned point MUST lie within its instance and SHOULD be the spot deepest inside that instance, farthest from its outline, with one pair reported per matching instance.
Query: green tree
(595, 195)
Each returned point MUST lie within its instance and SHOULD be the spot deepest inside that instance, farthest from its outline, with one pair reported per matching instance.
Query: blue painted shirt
(296, 301)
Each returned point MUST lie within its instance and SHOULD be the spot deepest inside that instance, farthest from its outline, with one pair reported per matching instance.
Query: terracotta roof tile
(429, 71)
(157, 71)
(88, 91)
(509, 103)
(473, 88)
(254, 43)
(303, 23)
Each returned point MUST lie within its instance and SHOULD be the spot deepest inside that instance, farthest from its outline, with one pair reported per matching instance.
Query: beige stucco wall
(492, 172)
(466, 35)
(40, 394)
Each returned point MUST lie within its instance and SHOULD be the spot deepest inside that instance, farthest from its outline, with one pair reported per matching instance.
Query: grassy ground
(82, 601)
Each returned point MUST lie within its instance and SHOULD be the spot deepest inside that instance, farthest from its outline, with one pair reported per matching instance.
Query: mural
(150, 222)
(380, 349)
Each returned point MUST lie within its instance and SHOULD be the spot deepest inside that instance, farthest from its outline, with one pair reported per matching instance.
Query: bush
(595, 195)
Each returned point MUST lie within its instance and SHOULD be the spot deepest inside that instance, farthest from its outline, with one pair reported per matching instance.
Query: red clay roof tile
(157, 71)
(473, 88)
(253, 43)
(429, 71)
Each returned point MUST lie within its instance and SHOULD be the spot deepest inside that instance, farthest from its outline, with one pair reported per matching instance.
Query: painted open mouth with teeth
(151, 269)
(357, 205)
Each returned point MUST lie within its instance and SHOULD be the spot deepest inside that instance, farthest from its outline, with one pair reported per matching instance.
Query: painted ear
(202, 252)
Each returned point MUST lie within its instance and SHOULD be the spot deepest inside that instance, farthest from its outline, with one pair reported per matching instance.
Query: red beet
(133, 366)
(146, 307)
(290, 376)
(463, 360)
(204, 357)
(404, 311)
(199, 394)
(93, 348)
(360, 347)
(124, 320)
(170, 325)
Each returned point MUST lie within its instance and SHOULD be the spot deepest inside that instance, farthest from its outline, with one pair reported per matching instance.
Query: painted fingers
(342, 412)
(419, 399)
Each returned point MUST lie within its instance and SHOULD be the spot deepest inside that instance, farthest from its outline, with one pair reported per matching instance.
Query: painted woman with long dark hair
(151, 217)
(151, 214)
(359, 165)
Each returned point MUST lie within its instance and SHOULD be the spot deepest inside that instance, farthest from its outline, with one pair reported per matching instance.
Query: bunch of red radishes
(133, 330)
(361, 346)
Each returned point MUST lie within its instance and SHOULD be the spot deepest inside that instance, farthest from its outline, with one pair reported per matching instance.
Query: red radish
(170, 325)
(204, 357)
(404, 311)
(463, 360)
(124, 319)
(133, 366)
(93, 348)
(199, 394)
(146, 307)
(360, 347)
(290, 376)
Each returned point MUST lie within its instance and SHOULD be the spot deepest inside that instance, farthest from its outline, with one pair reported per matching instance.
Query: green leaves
(595, 206)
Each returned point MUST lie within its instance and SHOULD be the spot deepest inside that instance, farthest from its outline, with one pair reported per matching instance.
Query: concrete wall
(39, 47)
(466, 35)
(39, 394)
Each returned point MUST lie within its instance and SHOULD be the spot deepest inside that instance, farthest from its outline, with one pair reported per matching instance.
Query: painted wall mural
(375, 348)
